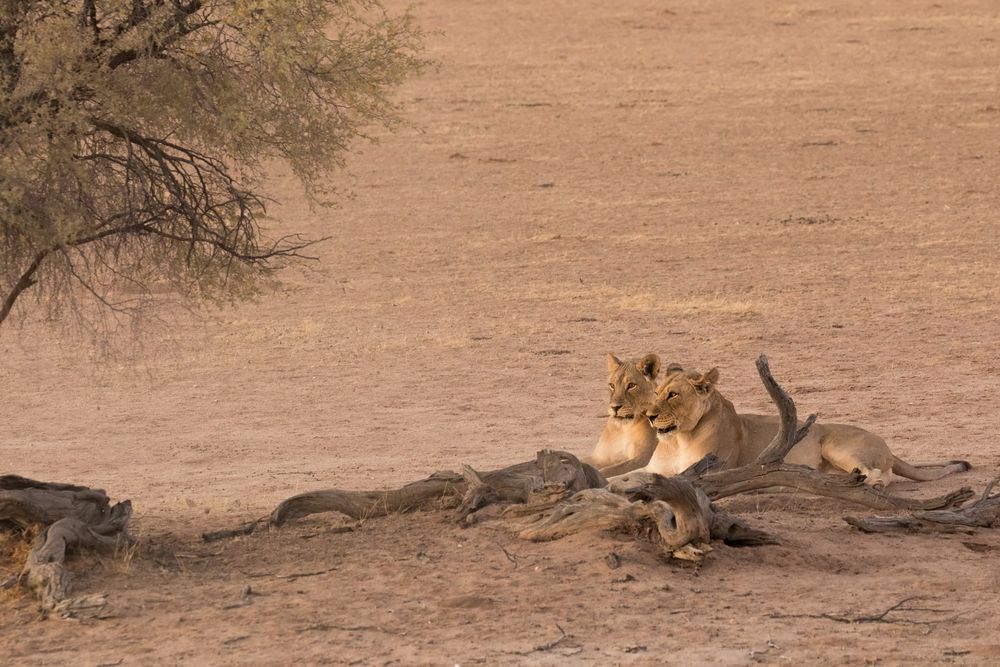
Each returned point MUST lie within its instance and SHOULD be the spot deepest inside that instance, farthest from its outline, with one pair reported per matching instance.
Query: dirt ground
(706, 180)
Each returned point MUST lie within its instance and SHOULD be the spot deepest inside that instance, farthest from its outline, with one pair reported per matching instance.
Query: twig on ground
(245, 529)
(300, 575)
(883, 616)
(323, 627)
(548, 646)
(511, 557)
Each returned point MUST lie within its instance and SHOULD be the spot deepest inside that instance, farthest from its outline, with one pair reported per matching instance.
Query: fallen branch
(511, 557)
(326, 627)
(439, 490)
(902, 606)
(548, 646)
(470, 491)
(302, 575)
(984, 513)
(849, 487)
(245, 529)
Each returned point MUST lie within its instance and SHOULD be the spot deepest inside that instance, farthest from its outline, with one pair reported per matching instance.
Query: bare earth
(706, 180)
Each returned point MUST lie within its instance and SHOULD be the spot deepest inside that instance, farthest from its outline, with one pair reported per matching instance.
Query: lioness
(693, 419)
(628, 440)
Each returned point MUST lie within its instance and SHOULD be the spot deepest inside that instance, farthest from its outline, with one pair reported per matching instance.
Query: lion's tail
(924, 472)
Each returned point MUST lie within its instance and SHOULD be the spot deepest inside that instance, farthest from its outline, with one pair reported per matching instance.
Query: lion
(692, 419)
(628, 440)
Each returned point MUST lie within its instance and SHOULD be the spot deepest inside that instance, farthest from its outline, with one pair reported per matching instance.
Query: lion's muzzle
(662, 423)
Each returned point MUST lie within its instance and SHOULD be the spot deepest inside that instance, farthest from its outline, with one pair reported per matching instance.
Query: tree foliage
(133, 134)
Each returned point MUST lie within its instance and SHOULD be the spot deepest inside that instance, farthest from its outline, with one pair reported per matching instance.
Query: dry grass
(14, 549)
(125, 552)
(717, 305)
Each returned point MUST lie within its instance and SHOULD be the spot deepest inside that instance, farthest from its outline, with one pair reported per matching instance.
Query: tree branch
(170, 33)
(26, 280)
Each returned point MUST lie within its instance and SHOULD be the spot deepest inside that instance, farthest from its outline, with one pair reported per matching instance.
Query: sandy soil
(707, 180)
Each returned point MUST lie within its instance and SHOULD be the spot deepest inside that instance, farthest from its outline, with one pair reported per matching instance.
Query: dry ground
(707, 180)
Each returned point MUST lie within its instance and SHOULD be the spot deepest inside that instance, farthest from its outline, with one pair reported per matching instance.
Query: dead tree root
(72, 517)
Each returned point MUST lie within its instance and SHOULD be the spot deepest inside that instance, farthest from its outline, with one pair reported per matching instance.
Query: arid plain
(705, 180)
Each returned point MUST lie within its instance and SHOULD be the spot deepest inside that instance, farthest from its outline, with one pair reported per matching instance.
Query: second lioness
(693, 419)
(627, 441)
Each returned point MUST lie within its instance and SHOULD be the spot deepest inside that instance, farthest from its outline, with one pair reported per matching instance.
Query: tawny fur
(693, 419)
(627, 441)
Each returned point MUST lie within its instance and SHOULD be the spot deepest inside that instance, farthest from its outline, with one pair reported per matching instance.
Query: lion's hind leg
(855, 449)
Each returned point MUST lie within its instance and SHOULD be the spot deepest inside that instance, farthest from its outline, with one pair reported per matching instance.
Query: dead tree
(71, 517)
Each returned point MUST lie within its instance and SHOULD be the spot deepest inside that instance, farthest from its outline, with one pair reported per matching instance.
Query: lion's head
(681, 400)
(632, 385)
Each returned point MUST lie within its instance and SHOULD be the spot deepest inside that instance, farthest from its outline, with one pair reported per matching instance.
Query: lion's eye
(671, 394)
(611, 386)
(631, 386)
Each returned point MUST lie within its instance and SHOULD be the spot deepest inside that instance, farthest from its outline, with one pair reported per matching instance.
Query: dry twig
(901, 607)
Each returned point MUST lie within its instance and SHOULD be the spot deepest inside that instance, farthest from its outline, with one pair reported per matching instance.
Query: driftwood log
(71, 517)
(984, 513)
(469, 491)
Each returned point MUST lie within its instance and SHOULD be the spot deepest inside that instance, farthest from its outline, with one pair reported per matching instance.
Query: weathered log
(448, 489)
(903, 524)
(850, 487)
(692, 515)
(246, 529)
(591, 509)
(24, 502)
(478, 494)
(45, 573)
(437, 490)
(984, 513)
(73, 517)
(723, 526)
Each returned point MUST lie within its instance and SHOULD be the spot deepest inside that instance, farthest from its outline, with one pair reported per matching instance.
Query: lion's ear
(614, 363)
(707, 381)
(673, 367)
(649, 366)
